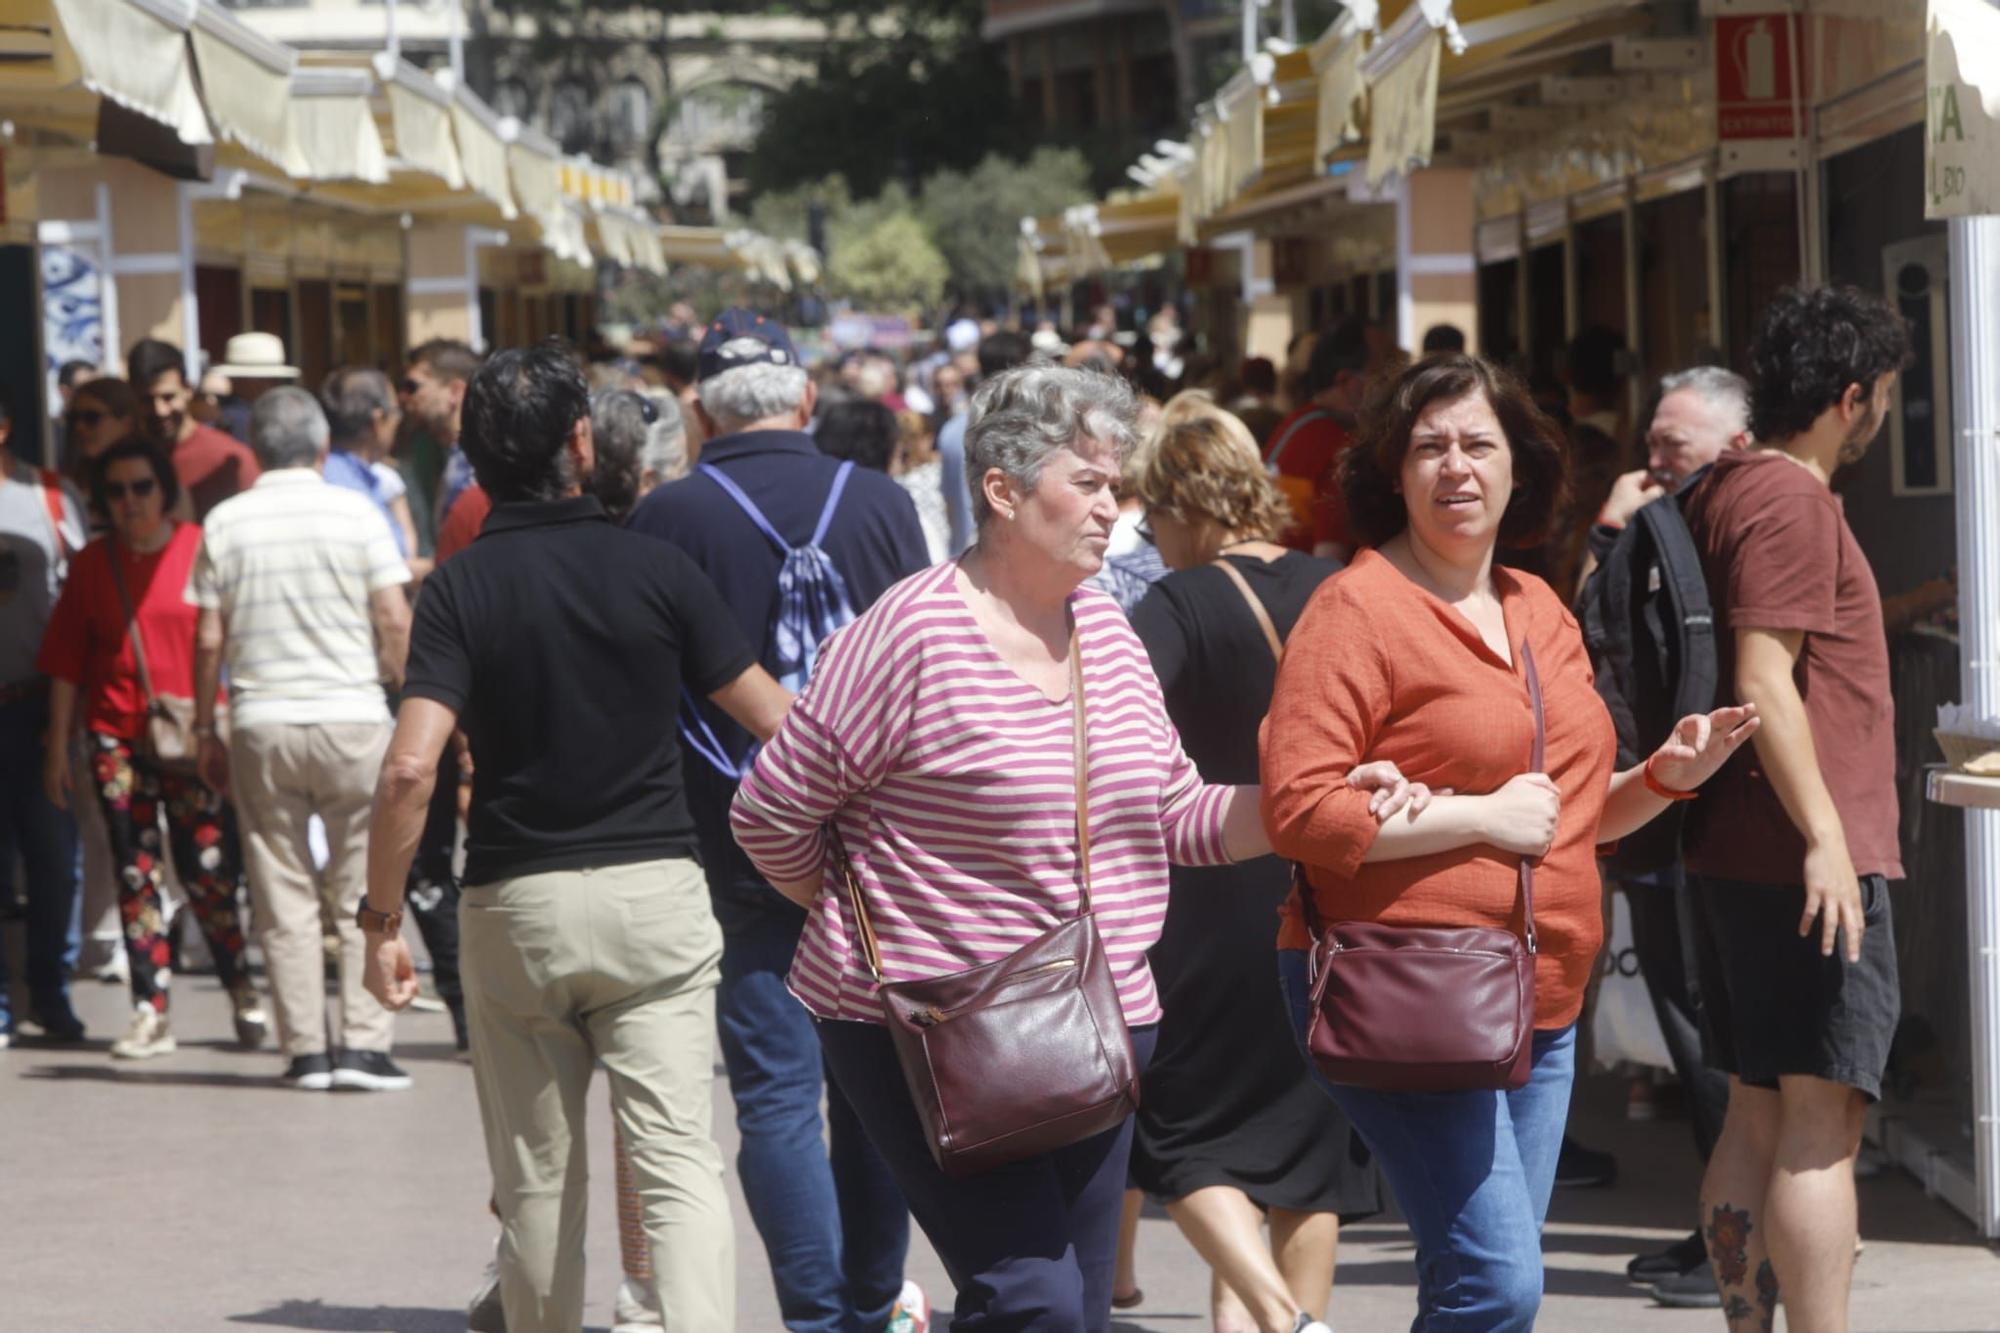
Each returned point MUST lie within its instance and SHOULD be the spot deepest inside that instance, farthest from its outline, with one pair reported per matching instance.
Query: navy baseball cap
(739, 337)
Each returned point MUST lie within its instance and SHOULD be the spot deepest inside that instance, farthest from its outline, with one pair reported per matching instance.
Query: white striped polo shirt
(290, 564)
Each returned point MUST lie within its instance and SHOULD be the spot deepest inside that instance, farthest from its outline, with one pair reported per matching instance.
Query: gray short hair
(351, 397)
(1718, 386)
(1022, 416)
(751, 393)
(665, 454)
(287, 428)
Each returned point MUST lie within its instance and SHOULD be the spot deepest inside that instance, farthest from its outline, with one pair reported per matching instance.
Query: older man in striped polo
(302, 595)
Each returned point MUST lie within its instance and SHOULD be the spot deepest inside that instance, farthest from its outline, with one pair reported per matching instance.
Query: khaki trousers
(563, 971)
(282, 775)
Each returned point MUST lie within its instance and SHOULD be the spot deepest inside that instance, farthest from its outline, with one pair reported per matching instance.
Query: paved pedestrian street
(189, 1194)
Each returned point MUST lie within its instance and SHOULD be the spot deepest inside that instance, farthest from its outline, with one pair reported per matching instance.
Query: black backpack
(1650, 629)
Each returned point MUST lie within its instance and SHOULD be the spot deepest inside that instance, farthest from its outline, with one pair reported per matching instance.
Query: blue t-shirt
(354, 473)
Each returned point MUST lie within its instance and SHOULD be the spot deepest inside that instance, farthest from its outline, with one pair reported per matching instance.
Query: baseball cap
(739, 337)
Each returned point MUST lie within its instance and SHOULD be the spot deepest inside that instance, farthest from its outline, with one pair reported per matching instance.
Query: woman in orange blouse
(1413, 655)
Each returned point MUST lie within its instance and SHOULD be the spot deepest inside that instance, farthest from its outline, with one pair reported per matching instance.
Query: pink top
(951, 782)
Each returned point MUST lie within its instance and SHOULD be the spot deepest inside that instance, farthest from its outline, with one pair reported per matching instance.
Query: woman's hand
(1700, 745)
(1522, 816)
(1392, 791)
(55, 773)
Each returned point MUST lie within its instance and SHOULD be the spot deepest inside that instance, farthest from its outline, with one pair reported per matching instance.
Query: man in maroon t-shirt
(1305, 447)
(211, 466)
(1790, 848)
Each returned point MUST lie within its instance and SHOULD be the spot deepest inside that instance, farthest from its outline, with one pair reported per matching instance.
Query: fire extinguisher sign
(1757, 57)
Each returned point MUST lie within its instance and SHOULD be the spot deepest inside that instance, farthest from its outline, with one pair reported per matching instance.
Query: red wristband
(1661, 789)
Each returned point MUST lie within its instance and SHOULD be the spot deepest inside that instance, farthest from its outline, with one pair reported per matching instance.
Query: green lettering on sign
(1945, 119)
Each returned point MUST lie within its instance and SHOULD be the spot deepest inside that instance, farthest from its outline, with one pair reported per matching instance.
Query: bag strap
(1540, 758)
(749, 508)
(840, 477)
(871, 948)
(1257, 610)
(1278, 445)
(1537, 758)
(52, 500)
(131, 621)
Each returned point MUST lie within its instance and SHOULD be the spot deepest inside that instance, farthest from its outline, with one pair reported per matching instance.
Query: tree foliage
(881, 255)
(976, 215)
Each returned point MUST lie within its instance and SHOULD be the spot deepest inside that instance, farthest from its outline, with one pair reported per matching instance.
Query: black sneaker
(1680, 1257)
(1692, 1290)
(368, 1071)
(59, 1024)
(1583, 1168)
(309, 1073)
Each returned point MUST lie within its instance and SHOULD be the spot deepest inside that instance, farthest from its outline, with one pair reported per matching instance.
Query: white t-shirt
(290, 564)
(33, 562)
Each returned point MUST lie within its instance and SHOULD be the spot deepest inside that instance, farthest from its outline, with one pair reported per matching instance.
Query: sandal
(1131, 1300)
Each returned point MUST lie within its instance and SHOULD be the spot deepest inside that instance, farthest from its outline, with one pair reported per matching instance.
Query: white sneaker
(147, 1037)
(634, 1310)
(1308, 1324)
(913, 1311)
(253, 1023)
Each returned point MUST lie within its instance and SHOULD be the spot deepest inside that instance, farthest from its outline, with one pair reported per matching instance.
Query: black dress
(1227, 1099)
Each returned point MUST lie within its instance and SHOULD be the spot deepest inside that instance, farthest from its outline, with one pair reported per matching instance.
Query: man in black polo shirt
(833, 1223)
(561, 645)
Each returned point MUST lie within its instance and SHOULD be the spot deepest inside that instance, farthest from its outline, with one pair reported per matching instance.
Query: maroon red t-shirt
(212, 467)
(1779, 555)
(1304, 451)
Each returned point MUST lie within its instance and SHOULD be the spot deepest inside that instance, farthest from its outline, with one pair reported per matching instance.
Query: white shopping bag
(1624, 1027)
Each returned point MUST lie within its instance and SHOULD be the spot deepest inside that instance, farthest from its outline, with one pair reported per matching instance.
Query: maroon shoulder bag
(1022, 1055)
(1426, 1008)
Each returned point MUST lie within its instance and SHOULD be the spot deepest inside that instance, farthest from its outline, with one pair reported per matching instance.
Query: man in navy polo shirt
(836, 1231)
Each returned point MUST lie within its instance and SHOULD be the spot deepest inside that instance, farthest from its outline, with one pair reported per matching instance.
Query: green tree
(881, 255)
(976, 215)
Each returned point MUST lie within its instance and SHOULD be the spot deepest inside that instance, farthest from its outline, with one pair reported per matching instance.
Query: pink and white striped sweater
(950, 780)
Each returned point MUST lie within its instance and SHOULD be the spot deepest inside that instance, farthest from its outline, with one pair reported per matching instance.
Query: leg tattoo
(1767, 1295)
(1728, 1235)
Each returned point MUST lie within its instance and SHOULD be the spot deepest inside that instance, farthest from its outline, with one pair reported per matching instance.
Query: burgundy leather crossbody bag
(1022, 1055)
(1426, 1008)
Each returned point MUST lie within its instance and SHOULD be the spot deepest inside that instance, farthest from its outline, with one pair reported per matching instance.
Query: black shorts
(1771, 1005)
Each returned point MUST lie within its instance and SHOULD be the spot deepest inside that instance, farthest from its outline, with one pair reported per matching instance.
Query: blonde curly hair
(1204, 465)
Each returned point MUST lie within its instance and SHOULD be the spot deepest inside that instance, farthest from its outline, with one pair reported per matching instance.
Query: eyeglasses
(1145, 531)
(88, 418)
(410, 386)
(138, 490)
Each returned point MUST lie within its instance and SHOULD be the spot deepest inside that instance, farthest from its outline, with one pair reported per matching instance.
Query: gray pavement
(189, 1194)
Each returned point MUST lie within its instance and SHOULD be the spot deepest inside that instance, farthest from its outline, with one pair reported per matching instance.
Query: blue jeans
(1472, 1172)
(45, 838)
(834, 1224)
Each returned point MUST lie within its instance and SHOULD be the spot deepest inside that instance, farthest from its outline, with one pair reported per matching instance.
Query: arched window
(628, 114)
(569, 118)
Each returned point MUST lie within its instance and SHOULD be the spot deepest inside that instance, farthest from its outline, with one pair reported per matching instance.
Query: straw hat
(255, 356)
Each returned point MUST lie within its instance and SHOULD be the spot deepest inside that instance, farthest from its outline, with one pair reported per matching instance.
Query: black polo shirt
(874, 541)
(562, 643)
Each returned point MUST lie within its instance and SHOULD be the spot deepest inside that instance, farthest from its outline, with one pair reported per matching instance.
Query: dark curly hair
(1810, 345)
(135, 446)
(519, 412)
(1372, 468)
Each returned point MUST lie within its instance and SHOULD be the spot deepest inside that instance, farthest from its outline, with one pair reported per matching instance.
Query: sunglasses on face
(1145, 532)
(649, 411)
(88, 418)
(138, 490)
(411, 387)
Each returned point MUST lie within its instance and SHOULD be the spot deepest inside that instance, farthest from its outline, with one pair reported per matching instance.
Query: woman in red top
(1413, 654)
(87, 652)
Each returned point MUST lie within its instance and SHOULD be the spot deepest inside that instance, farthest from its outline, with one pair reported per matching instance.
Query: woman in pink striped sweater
(935, 737)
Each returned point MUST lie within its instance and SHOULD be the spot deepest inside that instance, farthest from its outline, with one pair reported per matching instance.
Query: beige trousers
(280, 776)
(564, 971)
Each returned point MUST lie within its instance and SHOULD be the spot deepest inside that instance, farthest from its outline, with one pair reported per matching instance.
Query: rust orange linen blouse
(1379, 668)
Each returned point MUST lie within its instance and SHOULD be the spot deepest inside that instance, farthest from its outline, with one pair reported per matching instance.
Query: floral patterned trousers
(201, 830)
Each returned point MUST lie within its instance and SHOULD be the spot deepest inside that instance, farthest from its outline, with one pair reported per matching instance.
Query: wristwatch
(379, 923)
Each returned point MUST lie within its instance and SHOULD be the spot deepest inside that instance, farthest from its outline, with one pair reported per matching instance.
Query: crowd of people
(702, 696)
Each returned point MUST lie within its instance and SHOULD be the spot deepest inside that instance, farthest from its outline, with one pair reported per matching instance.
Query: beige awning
(135, 52)
(700, 247)
(480, 151)
(534, 166)
(246, 80)
(333, 128)
(615, 238)
(1336, 60)
(1962, 148)
(1403, 111)
(420, 121)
